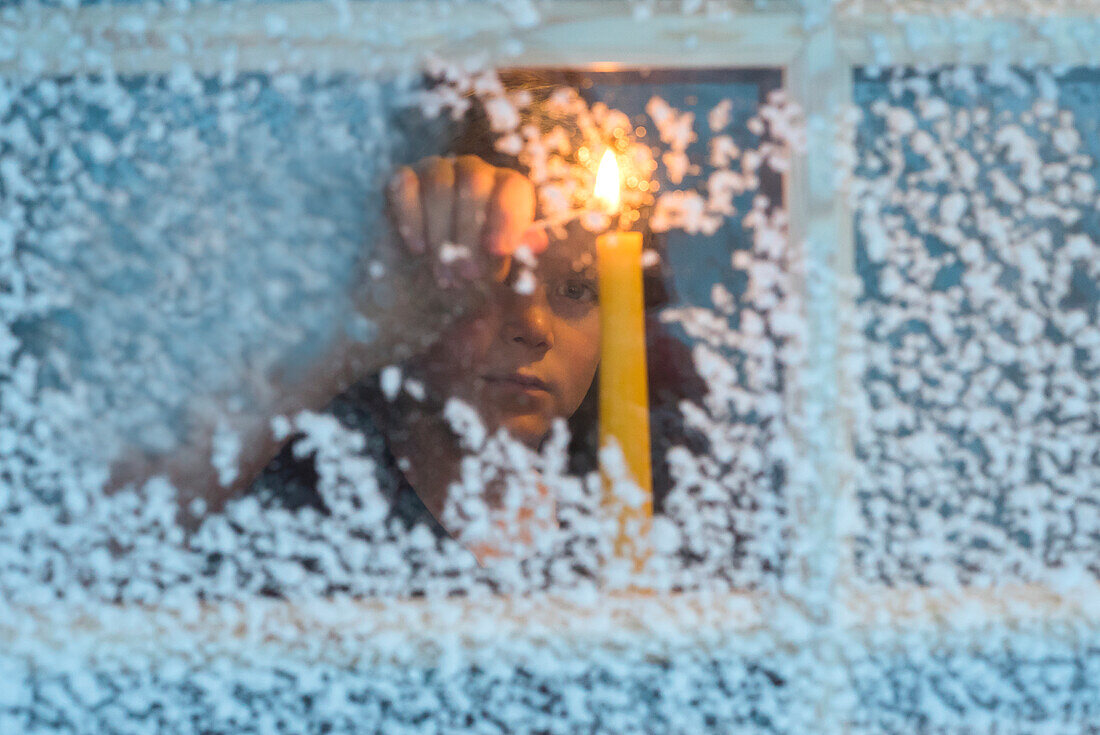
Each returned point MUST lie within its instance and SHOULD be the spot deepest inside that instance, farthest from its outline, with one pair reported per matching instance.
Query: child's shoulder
(291, 478)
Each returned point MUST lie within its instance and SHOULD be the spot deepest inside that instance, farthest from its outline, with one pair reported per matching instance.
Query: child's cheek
(472, 341)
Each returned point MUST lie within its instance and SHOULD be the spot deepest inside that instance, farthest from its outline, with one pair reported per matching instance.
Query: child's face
(528, 356)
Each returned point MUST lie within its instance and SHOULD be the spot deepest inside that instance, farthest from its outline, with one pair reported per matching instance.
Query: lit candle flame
(607, 183)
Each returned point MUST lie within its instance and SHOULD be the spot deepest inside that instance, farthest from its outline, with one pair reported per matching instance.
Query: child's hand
(455, 222)
(464, 215)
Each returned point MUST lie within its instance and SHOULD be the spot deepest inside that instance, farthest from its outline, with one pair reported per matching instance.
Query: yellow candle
(624, 390)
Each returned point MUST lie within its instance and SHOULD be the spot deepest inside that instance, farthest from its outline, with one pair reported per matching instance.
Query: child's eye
(578, 291)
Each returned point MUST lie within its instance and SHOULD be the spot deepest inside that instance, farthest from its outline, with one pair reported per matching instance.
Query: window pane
(977, 423)
(322, 359)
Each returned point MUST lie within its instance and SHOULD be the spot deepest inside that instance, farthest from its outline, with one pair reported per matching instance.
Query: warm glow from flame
(607, 182)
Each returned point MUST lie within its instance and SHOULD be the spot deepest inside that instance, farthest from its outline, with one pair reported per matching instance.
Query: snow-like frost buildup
(976, 417)
(177, 236)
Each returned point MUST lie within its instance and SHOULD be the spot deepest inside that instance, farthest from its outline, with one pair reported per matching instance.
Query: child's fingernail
(535, 239)
(500, 267)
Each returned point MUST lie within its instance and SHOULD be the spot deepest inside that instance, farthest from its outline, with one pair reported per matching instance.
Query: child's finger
(535, 238)
(499, 267)
(474, 184)
(511, 212)
(437, 198)
(403, 197)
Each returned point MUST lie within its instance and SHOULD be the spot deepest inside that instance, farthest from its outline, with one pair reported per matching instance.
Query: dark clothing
(292, 481)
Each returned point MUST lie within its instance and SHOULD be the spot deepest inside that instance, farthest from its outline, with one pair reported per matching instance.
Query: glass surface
(976, 427)
(299, 371)
(304, 396)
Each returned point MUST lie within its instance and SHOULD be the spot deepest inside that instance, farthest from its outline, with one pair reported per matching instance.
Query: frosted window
(193, 253)
(299, 428)
(977, 427)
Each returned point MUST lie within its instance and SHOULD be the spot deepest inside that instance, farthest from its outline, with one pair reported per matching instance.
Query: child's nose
(527, 319)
